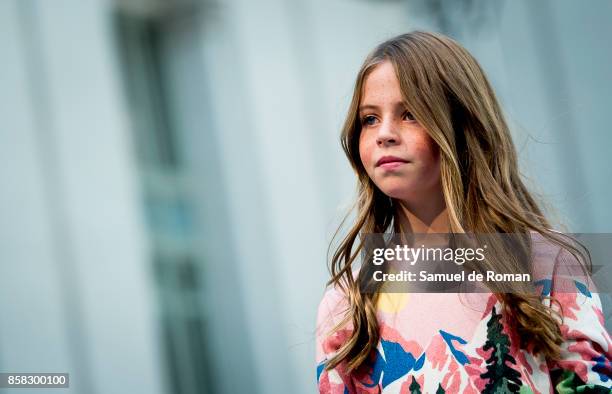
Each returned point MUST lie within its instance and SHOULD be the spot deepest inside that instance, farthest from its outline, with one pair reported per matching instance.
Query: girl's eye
(367, 120)
(409, 116)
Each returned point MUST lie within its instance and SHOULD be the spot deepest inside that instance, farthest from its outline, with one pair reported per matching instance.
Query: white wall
(74, 260)
(35, 329)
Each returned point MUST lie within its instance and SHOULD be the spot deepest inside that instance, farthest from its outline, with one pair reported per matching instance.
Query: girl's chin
(407, 190)
(397, 193)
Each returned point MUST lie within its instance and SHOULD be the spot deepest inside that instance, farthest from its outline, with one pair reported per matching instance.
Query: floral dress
(462, 343)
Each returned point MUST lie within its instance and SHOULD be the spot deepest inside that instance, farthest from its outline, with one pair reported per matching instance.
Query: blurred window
(142, 42)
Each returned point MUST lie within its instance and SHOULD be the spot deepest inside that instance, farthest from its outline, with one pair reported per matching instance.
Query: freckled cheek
(426, 151)
(365, 153)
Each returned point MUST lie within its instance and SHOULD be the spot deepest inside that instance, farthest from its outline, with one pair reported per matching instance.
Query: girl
(433, 154)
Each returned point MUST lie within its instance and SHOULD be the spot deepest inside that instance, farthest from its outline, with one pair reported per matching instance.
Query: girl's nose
(387, 134)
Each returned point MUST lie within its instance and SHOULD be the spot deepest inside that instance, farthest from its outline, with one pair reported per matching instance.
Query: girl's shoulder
(544, 253)
(333, 305)
(557, 267)
(334, 301)
(332, 310)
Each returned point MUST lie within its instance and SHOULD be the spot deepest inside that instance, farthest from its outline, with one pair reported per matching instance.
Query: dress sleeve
(586, 353)
(335, 380)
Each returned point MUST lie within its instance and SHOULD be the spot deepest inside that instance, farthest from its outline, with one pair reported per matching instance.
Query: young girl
(433, 154)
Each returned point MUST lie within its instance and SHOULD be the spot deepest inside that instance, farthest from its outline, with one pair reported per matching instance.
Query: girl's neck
(427, 216)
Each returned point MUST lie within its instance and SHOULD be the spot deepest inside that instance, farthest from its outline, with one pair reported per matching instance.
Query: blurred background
(172, 174)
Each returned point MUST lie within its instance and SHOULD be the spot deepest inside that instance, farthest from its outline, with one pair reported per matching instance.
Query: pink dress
(461, 343)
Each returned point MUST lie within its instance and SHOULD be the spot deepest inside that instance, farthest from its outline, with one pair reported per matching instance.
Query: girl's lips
(390, 159)
(392, 164)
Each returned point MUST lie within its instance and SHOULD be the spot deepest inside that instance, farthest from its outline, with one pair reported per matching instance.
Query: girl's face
(396, 151)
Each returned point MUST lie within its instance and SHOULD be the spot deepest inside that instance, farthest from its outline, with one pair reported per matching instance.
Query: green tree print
(502, 378)
(415, 387)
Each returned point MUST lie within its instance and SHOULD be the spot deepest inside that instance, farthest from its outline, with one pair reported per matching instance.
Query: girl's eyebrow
(398, 104)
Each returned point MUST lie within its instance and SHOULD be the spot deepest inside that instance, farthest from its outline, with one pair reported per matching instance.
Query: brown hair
(448, 93)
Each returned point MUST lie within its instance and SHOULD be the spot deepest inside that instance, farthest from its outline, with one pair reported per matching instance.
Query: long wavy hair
(449, 95)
